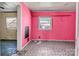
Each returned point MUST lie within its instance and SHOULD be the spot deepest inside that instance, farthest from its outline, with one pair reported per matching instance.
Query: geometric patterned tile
(48, 48)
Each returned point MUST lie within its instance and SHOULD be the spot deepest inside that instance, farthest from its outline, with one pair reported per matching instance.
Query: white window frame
(49, 18)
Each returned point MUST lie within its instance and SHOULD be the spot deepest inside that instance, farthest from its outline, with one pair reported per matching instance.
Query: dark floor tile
(0, 47)
(8, 47)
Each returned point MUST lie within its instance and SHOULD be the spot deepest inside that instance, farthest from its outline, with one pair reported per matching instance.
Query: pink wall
(63, 26)
(26, 21)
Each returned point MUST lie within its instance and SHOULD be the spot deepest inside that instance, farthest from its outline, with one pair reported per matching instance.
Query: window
(11, 22)
(45, 23)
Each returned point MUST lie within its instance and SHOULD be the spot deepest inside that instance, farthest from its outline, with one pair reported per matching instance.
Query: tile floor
(48, 48)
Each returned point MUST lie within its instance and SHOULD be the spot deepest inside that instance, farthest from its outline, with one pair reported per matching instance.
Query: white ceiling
(52, 6)
(40, 6)
(8, 6)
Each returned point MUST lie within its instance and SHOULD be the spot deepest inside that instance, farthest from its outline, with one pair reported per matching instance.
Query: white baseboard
(54, 40)
(26, 44)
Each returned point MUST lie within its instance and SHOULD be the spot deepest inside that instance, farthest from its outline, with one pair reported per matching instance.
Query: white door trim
(76, 37)
(19, 28)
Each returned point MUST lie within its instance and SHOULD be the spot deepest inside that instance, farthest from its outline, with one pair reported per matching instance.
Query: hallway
(48, 48)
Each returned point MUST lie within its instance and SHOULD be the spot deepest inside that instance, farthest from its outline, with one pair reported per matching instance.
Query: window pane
(45, 23)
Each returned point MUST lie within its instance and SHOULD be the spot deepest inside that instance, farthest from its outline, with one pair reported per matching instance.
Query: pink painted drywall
(63, 26)
(26, 21)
